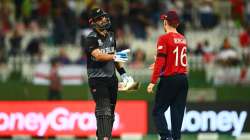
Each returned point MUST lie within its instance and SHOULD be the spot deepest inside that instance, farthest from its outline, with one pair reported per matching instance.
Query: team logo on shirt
(100, 43)
(160, 47)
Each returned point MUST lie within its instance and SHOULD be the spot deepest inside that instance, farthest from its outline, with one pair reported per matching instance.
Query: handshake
(121, 56)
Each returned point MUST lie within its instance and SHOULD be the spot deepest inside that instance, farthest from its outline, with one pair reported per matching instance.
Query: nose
(104, 18)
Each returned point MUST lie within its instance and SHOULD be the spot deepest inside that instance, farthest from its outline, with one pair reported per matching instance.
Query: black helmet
(94, 15)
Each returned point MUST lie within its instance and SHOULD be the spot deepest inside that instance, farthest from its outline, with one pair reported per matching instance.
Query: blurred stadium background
(33, 32)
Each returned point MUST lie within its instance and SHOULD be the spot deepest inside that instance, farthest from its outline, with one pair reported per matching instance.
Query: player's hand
(150, 88)
(151, 67)
(121, 56)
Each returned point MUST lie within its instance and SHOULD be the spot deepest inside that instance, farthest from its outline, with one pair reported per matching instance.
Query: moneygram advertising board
(43, 118)
(229, 117)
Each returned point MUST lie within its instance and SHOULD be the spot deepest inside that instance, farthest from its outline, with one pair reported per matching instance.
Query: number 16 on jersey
(182, 56)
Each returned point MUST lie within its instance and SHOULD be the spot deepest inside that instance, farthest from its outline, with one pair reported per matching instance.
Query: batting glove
(128, 83)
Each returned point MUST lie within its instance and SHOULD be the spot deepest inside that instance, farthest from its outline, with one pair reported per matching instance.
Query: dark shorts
(106, 87)
(172, 89)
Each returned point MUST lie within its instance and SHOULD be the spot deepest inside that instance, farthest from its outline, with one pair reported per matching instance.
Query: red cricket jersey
(171, 56)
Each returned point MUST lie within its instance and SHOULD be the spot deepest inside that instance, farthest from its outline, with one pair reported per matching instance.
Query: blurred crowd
(28, 28)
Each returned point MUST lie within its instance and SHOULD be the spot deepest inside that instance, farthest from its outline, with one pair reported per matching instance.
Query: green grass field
(16, 89)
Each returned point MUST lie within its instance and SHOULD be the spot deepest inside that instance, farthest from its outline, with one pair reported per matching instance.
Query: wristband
(121, 70)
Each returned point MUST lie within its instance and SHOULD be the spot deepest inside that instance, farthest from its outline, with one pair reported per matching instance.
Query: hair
(174, 23)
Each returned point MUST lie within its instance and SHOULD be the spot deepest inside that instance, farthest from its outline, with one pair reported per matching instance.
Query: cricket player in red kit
(171, 66)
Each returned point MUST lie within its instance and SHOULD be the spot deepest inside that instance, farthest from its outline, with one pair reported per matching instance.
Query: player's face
(102, 21)
(165, 25)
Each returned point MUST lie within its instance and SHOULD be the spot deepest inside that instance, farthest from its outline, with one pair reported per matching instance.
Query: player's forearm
(104, 57)
(159, 63)
(118, 65)
(99, 56)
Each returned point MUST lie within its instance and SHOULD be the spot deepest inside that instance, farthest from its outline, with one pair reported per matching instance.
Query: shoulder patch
(100, 43)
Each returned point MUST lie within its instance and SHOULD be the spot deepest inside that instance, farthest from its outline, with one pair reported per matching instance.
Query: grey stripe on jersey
(94, 73)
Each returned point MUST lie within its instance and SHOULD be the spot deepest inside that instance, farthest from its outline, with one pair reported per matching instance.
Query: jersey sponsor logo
(108, 50)
(160, 47)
